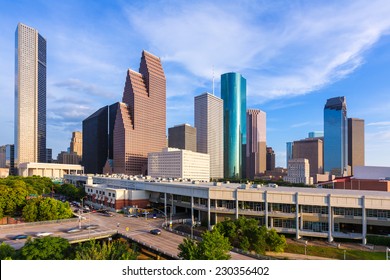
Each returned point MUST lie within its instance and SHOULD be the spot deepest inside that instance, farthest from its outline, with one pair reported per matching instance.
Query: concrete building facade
(298, 171)
(51, 170)
(179, 164)
(30, 95)
(140, 125)
(256, 147)
(209, 130)
(182, 137)
(303, 212)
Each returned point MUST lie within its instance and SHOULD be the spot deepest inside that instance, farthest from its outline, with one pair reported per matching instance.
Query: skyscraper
(355, 143)
(311, 149)
(256, 147)
(270, 159)
(30, 95)
(209, 130)
(97, 140)
(233, 93)
(289, 151)
(76, 143)
(335, 136)
(182, 137)
(140, 126)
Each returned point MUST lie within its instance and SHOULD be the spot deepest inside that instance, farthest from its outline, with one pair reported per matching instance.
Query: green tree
(214, 246)
(188, 250)
(7, 252)
(107, 250)
(275, 242)
(46, 248)
(43, 209)
(30, 211)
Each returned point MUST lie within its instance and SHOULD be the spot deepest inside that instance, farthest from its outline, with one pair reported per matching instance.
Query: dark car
(155, 231)
(20, 236)
(73, 230)
(91, 227)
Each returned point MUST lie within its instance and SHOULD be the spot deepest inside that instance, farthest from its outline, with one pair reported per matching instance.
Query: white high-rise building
(177, 163)
(30, 95)
(298, 171)
(209, 129)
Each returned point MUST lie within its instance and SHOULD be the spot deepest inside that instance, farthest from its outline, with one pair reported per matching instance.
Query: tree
(188, 250)
(106, 250)
(214, 246)
(46, 248)
(275, 242)
(6, 251)
(43, 209)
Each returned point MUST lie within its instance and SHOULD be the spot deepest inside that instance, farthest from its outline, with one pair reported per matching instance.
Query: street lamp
(305, 246)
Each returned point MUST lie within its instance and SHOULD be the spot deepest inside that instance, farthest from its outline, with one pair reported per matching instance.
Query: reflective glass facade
(335, 136)
(233, 93)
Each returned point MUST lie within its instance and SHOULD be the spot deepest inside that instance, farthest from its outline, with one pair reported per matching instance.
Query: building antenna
(213, 79)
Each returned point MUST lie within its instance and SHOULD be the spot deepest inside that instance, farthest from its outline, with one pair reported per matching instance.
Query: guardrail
(38, 223)
(150, 247)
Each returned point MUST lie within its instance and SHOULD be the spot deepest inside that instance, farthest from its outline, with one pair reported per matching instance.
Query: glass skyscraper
(335, 136)
(30, 95)
(233, 93)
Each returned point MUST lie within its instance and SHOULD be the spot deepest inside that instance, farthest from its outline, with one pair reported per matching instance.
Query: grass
(334, 253)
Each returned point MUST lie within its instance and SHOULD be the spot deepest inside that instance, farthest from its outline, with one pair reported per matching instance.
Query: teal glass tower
(335, 136)
(233, 93)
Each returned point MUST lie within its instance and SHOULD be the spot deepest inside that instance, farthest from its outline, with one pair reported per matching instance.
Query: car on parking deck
(43, 234)
(73, 230)
(155, 231)
(19, 236)
(91, 227)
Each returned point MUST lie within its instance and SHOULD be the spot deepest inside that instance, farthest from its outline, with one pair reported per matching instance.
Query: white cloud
(303, 50)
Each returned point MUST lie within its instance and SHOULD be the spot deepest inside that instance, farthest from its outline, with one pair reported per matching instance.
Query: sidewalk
(291, 256)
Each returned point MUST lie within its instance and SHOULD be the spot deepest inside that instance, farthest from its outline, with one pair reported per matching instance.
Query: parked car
(19, 236)
(155, 231)
(43, 234)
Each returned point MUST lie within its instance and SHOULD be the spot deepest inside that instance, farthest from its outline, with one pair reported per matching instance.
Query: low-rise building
(177, 163)
(298, 171)
(303, 212)
(52, 170)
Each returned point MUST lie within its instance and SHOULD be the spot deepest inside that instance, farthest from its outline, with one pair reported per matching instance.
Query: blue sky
(294, 55)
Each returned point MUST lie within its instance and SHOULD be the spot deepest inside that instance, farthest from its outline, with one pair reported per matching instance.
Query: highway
(134, 228)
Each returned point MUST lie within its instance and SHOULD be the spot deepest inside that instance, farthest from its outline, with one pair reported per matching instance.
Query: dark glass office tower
(98, 138)
(233, 93)
(335, 136)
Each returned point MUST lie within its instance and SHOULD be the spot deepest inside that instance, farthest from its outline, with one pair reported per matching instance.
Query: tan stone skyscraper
(140, 125)
(30, 95)
(76, 144)
(256, 147)
(355, 143)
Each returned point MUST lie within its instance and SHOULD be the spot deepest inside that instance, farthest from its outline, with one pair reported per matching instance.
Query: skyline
(294, 57)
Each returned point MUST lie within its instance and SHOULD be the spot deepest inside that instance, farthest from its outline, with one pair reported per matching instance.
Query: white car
(43, 234)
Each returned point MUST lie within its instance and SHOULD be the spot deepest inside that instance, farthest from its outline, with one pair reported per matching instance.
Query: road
(136, 228)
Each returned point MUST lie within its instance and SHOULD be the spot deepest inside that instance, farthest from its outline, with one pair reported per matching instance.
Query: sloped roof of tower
(152, 63)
